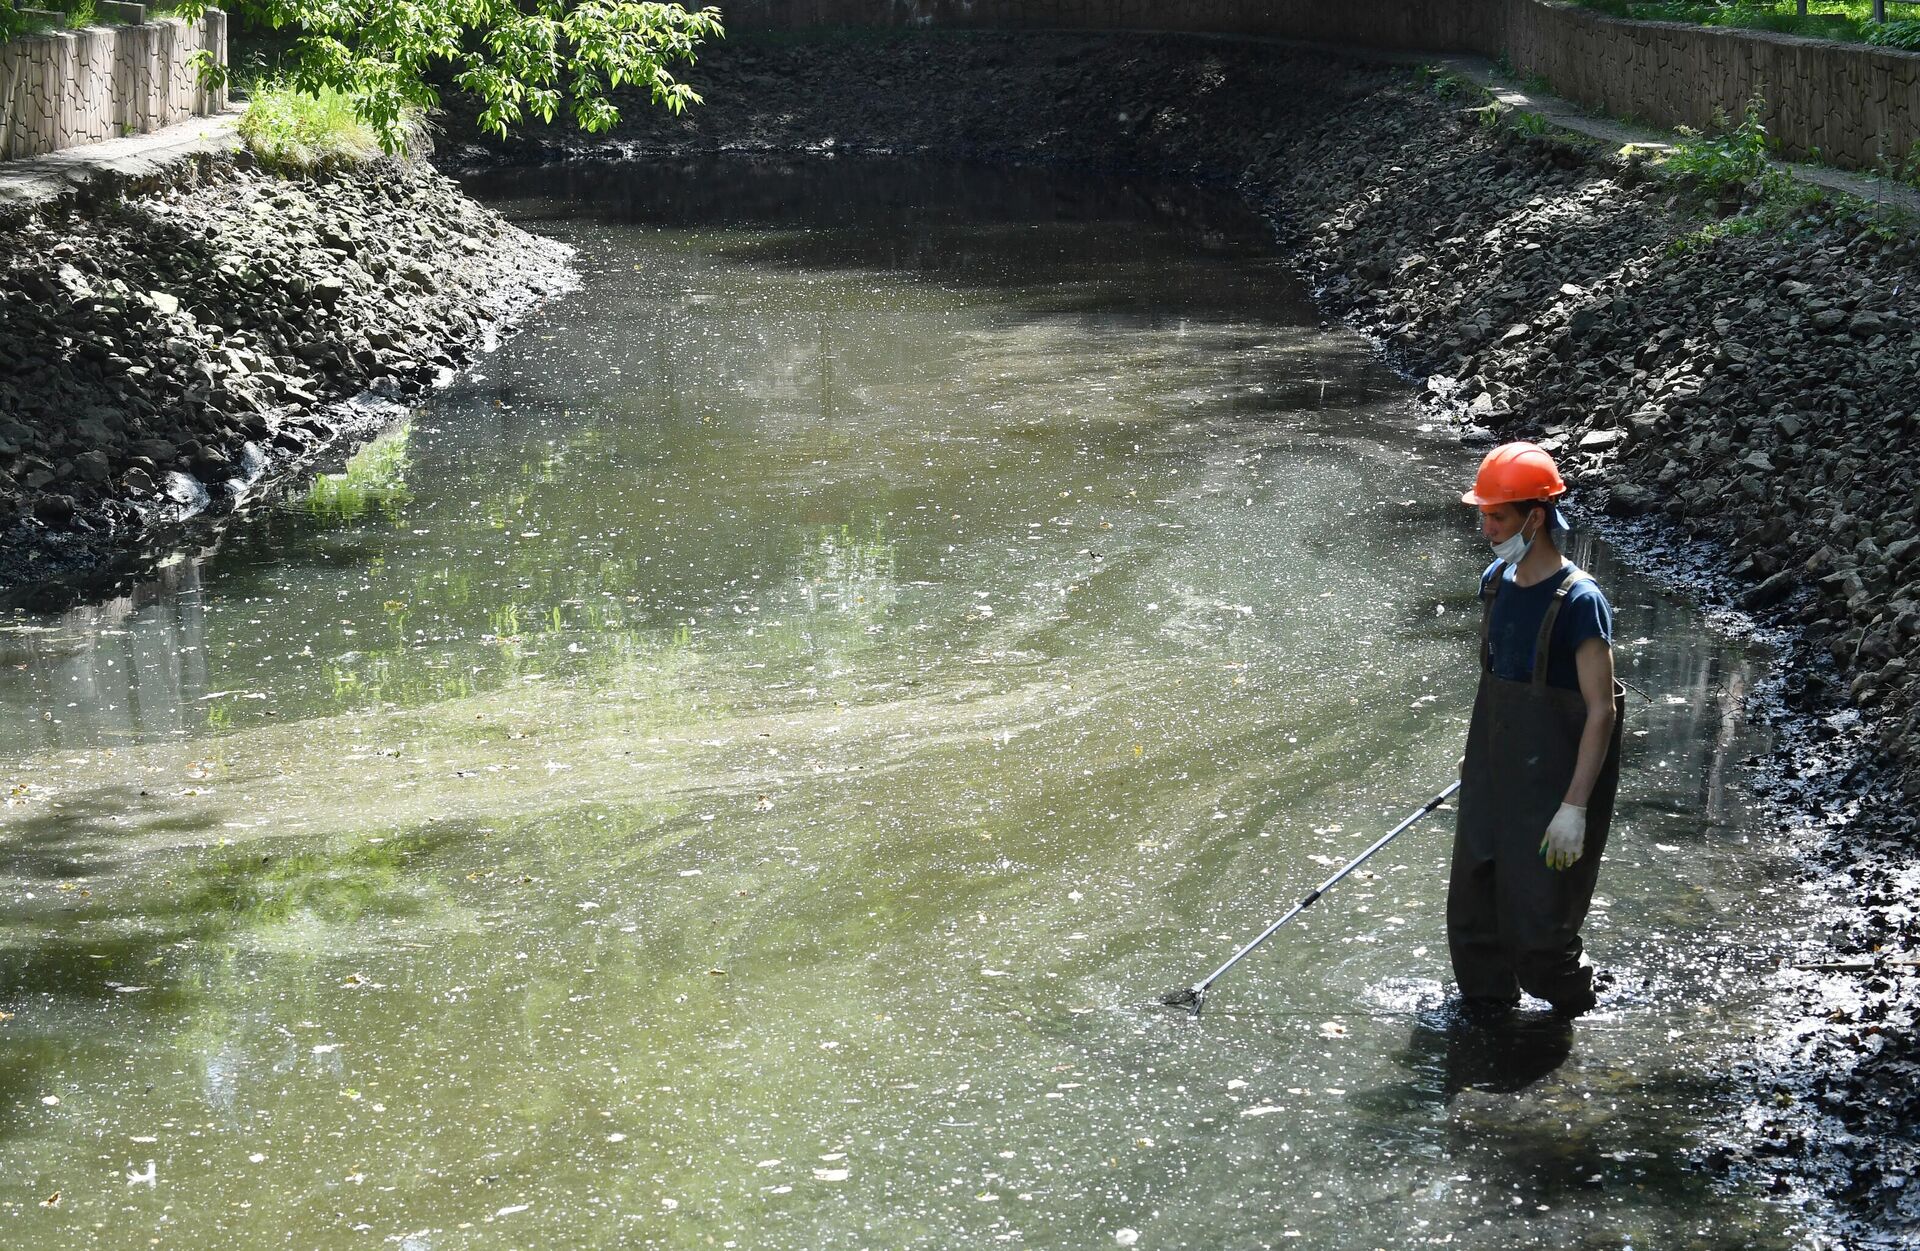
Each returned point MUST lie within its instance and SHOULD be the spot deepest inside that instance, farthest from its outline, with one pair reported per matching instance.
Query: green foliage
(74, 14)
(289, 128)
(1832, 19)
(13, 22)
(1904, 34)
(1906, 169)
(1730, 160)
(1441, 81)
(1787, 206)
(1702, 239)
(375, 477)
(519, 58)
(1496, 114)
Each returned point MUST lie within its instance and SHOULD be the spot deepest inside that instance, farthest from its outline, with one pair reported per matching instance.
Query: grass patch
(290, 129)
(375, 477)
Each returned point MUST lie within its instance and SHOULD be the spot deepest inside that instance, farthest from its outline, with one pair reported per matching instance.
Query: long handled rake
(1194, 996)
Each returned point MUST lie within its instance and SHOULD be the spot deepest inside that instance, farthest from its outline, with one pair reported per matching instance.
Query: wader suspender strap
(1488, 589)
(1491, 588)
(1546, 626)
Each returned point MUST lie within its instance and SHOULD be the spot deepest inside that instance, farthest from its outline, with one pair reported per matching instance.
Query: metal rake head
(1189, 997)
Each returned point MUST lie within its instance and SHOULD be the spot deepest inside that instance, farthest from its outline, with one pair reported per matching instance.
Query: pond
(738, 766)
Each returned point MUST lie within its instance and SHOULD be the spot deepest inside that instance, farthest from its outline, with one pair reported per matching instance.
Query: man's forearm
(1592, 755)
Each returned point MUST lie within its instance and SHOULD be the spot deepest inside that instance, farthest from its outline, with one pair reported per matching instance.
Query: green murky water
(734, 769)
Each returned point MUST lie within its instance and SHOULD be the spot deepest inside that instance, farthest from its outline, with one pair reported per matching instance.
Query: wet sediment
(1734, 388)
(166, 354)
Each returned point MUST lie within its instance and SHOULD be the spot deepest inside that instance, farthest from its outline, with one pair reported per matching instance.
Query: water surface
(737, 767)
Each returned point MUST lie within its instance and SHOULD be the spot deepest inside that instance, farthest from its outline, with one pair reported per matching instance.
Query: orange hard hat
(1514, 472)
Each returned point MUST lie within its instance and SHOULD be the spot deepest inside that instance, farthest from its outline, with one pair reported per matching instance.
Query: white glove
(1566, 837)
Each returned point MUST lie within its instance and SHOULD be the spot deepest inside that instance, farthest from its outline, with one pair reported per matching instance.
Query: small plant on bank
(1441, 81)
(1527, 122)
(1904, 169)
(1706, 236)
(1787, 206)
(1729, 161)
(290, 129)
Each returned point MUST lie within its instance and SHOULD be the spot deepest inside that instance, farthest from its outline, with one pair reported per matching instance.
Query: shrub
(1897, 35)
(291, 129)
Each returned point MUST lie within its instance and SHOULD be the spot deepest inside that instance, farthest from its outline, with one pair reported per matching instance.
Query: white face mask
(1514, 550)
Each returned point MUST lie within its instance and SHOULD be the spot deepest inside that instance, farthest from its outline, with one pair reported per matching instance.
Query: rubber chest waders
(1513, 924)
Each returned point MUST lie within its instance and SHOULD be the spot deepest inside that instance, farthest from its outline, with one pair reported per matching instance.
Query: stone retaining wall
(1445, 25)
(72, 87)
(1845, 104)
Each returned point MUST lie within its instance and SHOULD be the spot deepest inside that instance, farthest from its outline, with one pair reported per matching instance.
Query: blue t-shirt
(1517, 613)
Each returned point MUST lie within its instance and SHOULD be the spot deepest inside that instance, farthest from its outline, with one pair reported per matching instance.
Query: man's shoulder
(1585, 586)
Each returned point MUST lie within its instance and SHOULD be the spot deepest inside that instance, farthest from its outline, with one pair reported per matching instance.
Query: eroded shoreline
(170, 353)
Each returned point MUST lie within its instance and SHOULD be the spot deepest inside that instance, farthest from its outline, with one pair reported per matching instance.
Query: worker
(1543, 752)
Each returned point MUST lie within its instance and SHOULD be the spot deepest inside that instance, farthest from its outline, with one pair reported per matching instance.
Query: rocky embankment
(161, 354)
(1744, 395)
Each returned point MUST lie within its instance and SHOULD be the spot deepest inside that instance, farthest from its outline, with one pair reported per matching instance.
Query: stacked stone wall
(1457, 25)
(65, 88)
(1845, 104)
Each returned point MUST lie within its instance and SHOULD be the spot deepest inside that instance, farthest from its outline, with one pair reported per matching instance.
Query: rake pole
(1194, 996)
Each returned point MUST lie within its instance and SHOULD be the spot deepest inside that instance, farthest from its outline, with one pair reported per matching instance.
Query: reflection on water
(735, 768)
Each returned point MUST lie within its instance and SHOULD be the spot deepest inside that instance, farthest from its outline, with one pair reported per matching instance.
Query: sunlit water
(737, 768)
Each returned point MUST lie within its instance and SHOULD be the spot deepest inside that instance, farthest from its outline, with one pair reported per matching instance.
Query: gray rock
(91, 466)
(1628, 499)
(1900, 552)
(1770, 592)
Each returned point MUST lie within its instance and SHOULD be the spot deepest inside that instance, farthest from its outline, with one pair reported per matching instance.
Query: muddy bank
(1738, 397)
(163, 355)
